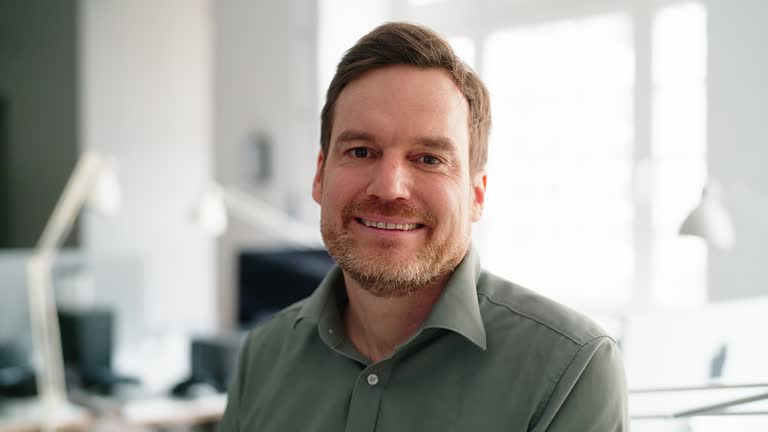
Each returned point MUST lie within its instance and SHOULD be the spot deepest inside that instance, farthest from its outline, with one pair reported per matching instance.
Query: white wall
(146, 91)
(738, 141)
(265, 82)
(340, 23)
(145, 83)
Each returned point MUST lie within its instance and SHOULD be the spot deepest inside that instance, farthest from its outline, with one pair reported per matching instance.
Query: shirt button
(373, 379)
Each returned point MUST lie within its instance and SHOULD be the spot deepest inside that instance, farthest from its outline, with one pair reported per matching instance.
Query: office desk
(163, 412)
(705, 408)
(704, 400)
(23, 415)
(157, 413)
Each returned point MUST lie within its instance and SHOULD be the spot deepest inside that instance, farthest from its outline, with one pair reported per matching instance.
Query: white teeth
(389, 226)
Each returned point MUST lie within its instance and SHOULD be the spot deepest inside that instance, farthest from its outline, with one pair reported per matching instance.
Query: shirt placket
(369, 385)
(366, 397)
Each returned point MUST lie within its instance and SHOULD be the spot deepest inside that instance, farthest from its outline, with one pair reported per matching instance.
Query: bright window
(678, 147)
(464, 48)
(559, 213)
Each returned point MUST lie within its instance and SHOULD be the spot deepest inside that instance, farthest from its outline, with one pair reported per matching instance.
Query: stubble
(379, 272)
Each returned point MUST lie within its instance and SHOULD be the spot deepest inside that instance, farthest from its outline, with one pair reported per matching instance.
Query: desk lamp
(94, 183)
(217, 201)
(710, 219)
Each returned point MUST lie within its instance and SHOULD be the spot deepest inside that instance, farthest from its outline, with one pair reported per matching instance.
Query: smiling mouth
(389, 226)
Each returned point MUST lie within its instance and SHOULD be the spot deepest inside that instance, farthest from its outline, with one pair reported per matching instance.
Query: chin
(389, 253)
(389, 268)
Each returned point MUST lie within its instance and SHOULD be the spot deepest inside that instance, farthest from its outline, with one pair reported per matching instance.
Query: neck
(377, 325)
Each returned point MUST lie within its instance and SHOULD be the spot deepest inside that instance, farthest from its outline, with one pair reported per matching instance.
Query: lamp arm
(271, 219)
(68, 207)
(718, 407)
(46, 335)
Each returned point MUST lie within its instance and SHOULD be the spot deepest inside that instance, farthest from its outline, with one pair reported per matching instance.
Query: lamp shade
(104, 196)
(710, 220)
(210, 213)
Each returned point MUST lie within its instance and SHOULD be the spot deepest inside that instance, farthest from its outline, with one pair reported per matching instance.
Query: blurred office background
(609, 119)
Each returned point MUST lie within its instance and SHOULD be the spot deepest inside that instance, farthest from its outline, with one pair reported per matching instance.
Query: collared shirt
(491, 356)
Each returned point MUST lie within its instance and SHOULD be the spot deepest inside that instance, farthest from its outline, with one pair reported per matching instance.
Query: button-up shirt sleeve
(591, 394)
(229, 422)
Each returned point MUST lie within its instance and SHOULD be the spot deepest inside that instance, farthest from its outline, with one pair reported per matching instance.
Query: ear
(317, 184)
(478, 194)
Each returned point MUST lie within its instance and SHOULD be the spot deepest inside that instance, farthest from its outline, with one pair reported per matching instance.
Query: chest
(445, 387)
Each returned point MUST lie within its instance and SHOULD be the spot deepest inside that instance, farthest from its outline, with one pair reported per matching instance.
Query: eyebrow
(350, 135)
(437, 142)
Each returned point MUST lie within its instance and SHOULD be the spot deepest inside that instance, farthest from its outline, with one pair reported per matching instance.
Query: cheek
(338, 190)
(451, 204)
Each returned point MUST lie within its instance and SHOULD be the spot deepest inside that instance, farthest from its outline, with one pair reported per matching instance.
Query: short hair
(399, 43)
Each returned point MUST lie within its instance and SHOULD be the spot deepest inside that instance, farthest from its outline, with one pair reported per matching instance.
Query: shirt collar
(325, 293)
(456, 310)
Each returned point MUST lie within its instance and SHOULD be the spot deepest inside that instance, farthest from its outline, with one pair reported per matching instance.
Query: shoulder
(575, 366)
(271, 335)
(505, 303)
(262, 350)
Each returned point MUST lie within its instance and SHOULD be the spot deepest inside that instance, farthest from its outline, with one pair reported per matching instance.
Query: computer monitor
(270, 280)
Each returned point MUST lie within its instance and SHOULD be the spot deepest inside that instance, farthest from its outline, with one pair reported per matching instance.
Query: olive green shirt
(491, 356)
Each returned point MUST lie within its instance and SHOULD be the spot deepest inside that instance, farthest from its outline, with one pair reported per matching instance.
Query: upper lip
(389, 220)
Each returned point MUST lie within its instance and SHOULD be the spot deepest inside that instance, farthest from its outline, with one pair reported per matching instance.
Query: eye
(359, 152)
(430, 160)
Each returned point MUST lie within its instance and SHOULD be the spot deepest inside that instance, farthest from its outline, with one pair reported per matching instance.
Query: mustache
(390, 208)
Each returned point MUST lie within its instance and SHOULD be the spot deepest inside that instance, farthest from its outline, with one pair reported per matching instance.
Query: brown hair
(409, 44)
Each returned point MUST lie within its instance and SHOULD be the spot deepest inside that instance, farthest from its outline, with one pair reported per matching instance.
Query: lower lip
(387, 232)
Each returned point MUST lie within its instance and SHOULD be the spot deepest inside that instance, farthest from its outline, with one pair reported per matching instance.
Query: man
(408, 333)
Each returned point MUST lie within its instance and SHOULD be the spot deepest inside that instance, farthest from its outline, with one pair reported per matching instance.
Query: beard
(381, 272)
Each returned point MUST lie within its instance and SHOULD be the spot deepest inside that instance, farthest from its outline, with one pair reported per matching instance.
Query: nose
(390, 180)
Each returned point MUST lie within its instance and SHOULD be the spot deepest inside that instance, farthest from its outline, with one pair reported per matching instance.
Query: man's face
(396, 195)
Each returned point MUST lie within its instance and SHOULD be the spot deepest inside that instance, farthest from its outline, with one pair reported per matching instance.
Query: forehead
(403, 102)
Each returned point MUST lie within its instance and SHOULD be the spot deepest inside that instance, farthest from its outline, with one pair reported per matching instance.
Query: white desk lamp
(710, 219)
(93, 182)
(211, 214)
